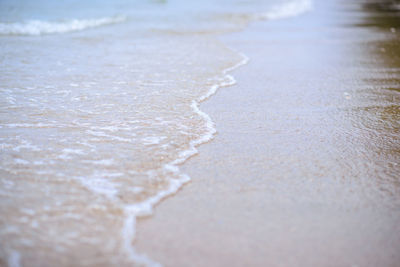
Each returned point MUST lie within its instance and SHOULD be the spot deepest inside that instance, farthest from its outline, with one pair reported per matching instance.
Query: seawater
(99, 106)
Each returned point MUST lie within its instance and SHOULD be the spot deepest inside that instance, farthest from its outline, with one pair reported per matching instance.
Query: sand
(304, 168)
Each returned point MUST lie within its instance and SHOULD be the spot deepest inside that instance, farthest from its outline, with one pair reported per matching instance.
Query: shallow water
(99, 106)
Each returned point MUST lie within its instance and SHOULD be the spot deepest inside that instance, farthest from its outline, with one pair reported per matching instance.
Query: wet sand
(304, 170)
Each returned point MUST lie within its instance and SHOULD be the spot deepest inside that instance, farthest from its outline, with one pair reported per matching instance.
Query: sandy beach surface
(103, 105)
(304, 170)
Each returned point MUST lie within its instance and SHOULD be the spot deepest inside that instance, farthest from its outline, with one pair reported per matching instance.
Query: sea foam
(287, 10)
(39, 27)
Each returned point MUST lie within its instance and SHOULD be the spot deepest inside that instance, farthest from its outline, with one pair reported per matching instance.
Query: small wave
(132, 212)
(290, 9)
(39, 27)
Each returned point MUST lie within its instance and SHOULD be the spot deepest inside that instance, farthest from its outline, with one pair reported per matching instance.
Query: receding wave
(39, 27)
(290, 9)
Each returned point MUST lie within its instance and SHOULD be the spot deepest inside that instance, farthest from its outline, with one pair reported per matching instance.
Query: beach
(213, 133)
(304, 169)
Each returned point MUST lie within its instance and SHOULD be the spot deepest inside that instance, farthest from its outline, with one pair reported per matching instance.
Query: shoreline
(232, 184)
(145, 208)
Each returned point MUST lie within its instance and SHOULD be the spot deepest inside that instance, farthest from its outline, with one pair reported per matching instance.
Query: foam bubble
(21, 161)
(152, 140)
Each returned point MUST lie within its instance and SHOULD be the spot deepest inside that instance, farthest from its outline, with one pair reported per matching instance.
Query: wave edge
(40, 27)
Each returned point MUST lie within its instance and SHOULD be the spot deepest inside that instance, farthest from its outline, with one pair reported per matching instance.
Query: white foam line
(132, 212)
(39, 27)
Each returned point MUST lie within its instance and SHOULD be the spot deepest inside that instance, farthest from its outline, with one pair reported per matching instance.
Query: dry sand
(304, 170)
